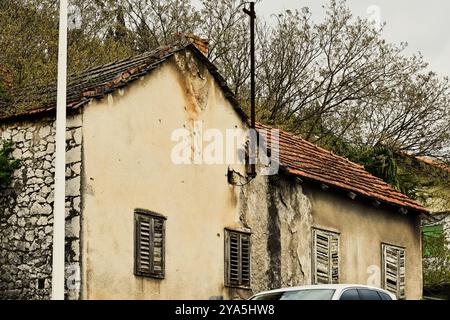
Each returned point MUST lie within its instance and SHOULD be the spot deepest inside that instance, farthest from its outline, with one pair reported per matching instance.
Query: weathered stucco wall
(362, 229)
(26, 209)
(279, 215)
(127, 165)
(281, 212)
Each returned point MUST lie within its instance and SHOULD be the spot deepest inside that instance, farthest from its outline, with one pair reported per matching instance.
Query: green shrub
(5, 96)
(7, 166)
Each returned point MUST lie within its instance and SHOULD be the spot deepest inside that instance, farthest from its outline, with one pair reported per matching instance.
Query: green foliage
(35, 24)
(409, 183)
(380, 161)
(5, 96)
(337, 77)
(432, 231)
(436, 264)
(7, 166)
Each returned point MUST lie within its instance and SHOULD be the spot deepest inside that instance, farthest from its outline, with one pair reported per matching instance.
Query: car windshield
(307, 294)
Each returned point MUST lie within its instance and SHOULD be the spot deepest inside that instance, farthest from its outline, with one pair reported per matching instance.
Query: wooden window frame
(151, 217)
(400, 294)
(330, 234)
(227, 261)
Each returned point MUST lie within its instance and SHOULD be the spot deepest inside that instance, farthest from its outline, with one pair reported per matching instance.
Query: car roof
(337, 287)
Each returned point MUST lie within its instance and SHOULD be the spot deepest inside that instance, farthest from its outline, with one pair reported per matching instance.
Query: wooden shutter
(245, 260)
(394, 269)
(334, 257)
(149, 244)
(325, 257)
(402, 270)
(237, 259)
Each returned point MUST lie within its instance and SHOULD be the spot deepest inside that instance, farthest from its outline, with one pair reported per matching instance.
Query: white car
(326, 292)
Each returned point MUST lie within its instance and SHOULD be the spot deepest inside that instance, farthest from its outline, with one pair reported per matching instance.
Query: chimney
(200, 43)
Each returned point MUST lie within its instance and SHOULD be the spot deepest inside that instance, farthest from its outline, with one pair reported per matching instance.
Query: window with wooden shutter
(237, 259)
(149, 233)
(325, 257)
(394, 260)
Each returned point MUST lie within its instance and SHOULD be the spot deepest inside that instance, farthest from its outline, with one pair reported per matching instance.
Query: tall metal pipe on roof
(253, 144)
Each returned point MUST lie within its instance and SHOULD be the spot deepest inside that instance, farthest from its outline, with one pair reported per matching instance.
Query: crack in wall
(274, 236)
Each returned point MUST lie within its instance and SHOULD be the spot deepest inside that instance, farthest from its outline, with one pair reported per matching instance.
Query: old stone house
(139, 226)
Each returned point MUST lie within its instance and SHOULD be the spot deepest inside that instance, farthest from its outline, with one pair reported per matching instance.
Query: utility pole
(252, 157)
(58, 257)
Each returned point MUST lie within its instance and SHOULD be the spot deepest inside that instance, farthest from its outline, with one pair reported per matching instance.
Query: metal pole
(60, 161)
(252, 15)
(252, 62)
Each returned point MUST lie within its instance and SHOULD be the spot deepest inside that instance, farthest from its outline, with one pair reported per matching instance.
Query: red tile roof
(434, 163)
(297, 155)
(305, 159)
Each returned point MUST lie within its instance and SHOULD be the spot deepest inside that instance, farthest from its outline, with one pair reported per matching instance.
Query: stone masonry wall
(26, 210)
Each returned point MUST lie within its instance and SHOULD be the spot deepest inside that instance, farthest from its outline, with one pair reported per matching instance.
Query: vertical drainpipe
(60, 161)
(253, 144)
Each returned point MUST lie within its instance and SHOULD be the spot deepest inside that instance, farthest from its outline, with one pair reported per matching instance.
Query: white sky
(425, 25)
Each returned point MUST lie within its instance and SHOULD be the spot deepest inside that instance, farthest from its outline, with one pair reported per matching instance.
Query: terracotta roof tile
(297, 155)
(434, 163)
(305, 159)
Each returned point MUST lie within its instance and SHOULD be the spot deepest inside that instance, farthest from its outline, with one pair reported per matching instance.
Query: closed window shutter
(144, 225)
(394, 269)
(245, 260)
(322, 258)
(402, 262)
(325, 257)
(233, 272)
(237, 259)
(149, 246)
(158, 246)
(334, 247)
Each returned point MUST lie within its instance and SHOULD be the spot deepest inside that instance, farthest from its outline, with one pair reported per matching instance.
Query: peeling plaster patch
(195, 82)
(279, 215)
(253, 210)
(196, 85)
(110, 100)
(89, 189)
(274, 236)
(296, 221)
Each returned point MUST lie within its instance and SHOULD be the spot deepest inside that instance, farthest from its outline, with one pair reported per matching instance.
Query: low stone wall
(26, 210)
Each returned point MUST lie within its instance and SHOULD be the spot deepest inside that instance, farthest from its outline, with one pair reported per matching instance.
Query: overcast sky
(425, 25)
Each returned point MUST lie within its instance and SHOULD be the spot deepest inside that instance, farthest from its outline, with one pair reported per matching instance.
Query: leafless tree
(337, 78)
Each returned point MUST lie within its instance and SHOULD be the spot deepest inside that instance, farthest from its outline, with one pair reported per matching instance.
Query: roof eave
(418, 210)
